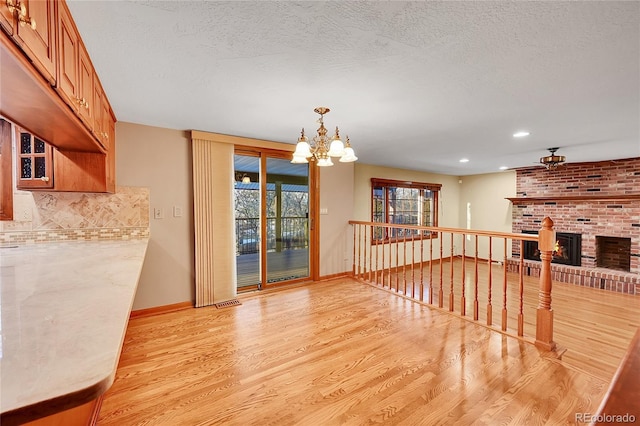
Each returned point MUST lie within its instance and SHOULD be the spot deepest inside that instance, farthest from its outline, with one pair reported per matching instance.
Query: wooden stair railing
(411, 261)
(620, 403)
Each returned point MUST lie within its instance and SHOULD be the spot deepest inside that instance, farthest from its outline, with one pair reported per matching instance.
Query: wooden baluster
(359, 248)
(430, 268)
(544, 314)
(451, 296)
(521, 286)
(421, 268)
(440, 293)
(382, 270)
(370, 244)
(404, 262)
(413, 263)
(463, 300)
(476, 307)
(504, 287)
(353, 268)
(364, 253)
(390, 260)
(397, 262)
(374, 245)
(489, 308)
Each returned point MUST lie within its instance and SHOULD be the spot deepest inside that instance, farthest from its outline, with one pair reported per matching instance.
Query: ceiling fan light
(552, 161)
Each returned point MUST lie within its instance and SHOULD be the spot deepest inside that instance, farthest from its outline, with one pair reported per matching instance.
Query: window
(403, 203)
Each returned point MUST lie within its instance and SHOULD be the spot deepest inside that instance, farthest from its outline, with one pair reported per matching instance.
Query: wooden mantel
(531, 200)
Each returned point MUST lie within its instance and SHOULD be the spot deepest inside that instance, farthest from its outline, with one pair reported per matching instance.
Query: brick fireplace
(599, 201)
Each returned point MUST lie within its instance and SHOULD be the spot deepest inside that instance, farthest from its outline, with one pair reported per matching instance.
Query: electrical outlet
(177, 211)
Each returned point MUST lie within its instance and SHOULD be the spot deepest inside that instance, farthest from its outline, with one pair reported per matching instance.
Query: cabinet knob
(45, 178)
(82, 102)
(27, 21)
(13, 6)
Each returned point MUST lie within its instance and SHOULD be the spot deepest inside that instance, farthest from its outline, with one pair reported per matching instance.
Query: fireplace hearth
(568, 248)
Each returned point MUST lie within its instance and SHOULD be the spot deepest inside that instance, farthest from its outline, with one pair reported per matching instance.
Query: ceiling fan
(551, 162)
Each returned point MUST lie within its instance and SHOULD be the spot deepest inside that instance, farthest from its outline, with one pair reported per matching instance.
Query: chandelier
(551, 162)
(322, 148)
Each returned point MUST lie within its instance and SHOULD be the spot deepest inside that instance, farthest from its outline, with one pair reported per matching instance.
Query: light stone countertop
(65, 308)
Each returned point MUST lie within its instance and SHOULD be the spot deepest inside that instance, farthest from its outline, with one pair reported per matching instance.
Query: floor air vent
(226, 304)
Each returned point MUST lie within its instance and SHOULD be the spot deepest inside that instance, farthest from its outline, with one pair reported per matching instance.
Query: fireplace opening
(567, 250)
(613, 253)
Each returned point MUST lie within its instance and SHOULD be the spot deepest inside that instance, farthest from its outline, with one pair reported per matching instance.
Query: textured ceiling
(416, 85)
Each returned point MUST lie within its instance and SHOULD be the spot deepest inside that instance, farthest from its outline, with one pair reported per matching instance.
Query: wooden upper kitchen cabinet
(78, 83)
(68, 85)
(31, 24)
(85, 88)
(64, 106)
(35, 34)
(103, 116)
(7, 16)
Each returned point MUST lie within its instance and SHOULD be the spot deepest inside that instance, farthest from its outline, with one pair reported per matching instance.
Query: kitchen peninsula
(65, 308)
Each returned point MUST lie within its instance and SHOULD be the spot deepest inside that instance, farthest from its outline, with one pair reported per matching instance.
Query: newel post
(544, 315)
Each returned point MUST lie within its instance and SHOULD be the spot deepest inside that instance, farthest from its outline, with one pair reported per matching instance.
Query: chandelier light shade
(321, 148)
(551, 162)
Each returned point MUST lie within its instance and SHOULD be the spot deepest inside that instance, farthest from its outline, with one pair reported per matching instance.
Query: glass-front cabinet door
(34, 162)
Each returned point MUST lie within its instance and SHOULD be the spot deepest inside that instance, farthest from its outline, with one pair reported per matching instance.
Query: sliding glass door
(272, 219)
(247, 216)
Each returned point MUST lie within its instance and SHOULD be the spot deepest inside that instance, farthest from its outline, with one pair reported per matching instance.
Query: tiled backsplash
(55, 216)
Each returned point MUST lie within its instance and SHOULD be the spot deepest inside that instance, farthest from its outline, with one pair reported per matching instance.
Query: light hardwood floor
(594, 326)
(342, 352)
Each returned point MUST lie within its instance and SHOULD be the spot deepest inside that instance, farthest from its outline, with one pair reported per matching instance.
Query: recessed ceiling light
(464, 160)
(521, 134)
(503, 168)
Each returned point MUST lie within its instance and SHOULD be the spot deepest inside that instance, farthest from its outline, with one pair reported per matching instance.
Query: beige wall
(336, 209)
(160, 159)
(485, 196)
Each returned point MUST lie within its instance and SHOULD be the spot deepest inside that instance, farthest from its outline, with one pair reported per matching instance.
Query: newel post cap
(546, 235)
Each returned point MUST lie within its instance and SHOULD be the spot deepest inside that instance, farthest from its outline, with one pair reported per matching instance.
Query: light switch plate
(157, 213)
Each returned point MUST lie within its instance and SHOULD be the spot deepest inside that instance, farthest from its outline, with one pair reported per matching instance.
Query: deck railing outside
(419, 264)
(291, 234)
